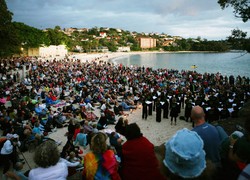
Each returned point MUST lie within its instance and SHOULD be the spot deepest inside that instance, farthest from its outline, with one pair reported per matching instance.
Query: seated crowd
(60, 93)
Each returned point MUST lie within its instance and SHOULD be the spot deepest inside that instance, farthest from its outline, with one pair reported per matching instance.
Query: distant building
(119, 30)
(123, 49)
(146, 42)
(69, 31)
(103, 49)
(103, 34)
(168, 42)
(50, 51)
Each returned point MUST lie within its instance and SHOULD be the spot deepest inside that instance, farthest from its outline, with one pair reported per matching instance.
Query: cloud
(175, 17)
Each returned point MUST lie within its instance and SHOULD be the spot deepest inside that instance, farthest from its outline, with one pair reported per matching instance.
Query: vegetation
(238, 38)
(10, 43)
(29, 36)
(57, 37)
(198, 45)
(241, 8)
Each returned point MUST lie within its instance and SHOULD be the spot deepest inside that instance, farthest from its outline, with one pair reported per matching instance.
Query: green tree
(241, 8)
(237, 39)
(94, 31)
(57, 37)
(8, 36)
(30, 36)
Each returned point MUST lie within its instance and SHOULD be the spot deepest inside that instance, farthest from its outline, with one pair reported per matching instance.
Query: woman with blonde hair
(101, 162)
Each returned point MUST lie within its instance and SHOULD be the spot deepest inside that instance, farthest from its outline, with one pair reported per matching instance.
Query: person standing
(174, 111)
(188, 109)
(158, 110)
(144, 110)
(165, 109)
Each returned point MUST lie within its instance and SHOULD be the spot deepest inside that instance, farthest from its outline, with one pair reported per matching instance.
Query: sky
(186, 18)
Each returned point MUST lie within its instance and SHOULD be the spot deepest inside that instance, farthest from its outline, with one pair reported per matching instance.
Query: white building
(123, 49)
(50, 51)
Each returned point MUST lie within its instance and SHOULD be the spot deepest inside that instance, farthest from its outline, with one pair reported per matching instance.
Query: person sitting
(103, 122)
(183, 157)
(239, 149)
(120, 126)
(8, 153)
(118, 109)
(87, 127)
(37, 131)
(81, 139)
(71, 127)
(39, 110)
(88, 115)
(110, 116)
(116, 141)
(138, 156)
(127, 107)
(209, 135)
(77, 130)
(100, 163)
(73, 159)
(47, 158)
(61, 117)
(69, 147)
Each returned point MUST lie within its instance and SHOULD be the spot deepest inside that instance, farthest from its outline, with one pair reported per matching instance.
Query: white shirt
(7, 148)
(103, 107)
(57, 172)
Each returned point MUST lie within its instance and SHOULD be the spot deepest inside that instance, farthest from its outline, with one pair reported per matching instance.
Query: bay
(230, 63)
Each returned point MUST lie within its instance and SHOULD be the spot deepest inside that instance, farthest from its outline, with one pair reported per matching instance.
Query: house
(103, 34)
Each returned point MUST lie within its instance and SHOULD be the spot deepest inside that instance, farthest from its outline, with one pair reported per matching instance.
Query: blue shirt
(210, 136)
(81, 138)
(36, 130)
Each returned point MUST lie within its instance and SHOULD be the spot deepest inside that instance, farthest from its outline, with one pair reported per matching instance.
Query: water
(230, 63)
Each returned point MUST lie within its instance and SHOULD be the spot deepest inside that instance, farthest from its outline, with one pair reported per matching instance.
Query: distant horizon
(188, 19)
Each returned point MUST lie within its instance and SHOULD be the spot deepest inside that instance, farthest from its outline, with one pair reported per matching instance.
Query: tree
(241, 8)
(8, 36)
(57, 37)
(30, 36)
(237, 39)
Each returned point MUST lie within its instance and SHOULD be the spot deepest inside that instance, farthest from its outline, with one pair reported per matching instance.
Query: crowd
(65, 92)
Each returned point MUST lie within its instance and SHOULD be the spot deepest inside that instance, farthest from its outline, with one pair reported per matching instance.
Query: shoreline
(109, 56)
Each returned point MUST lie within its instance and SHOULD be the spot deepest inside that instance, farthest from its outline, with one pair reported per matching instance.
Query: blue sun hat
(184, 154)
